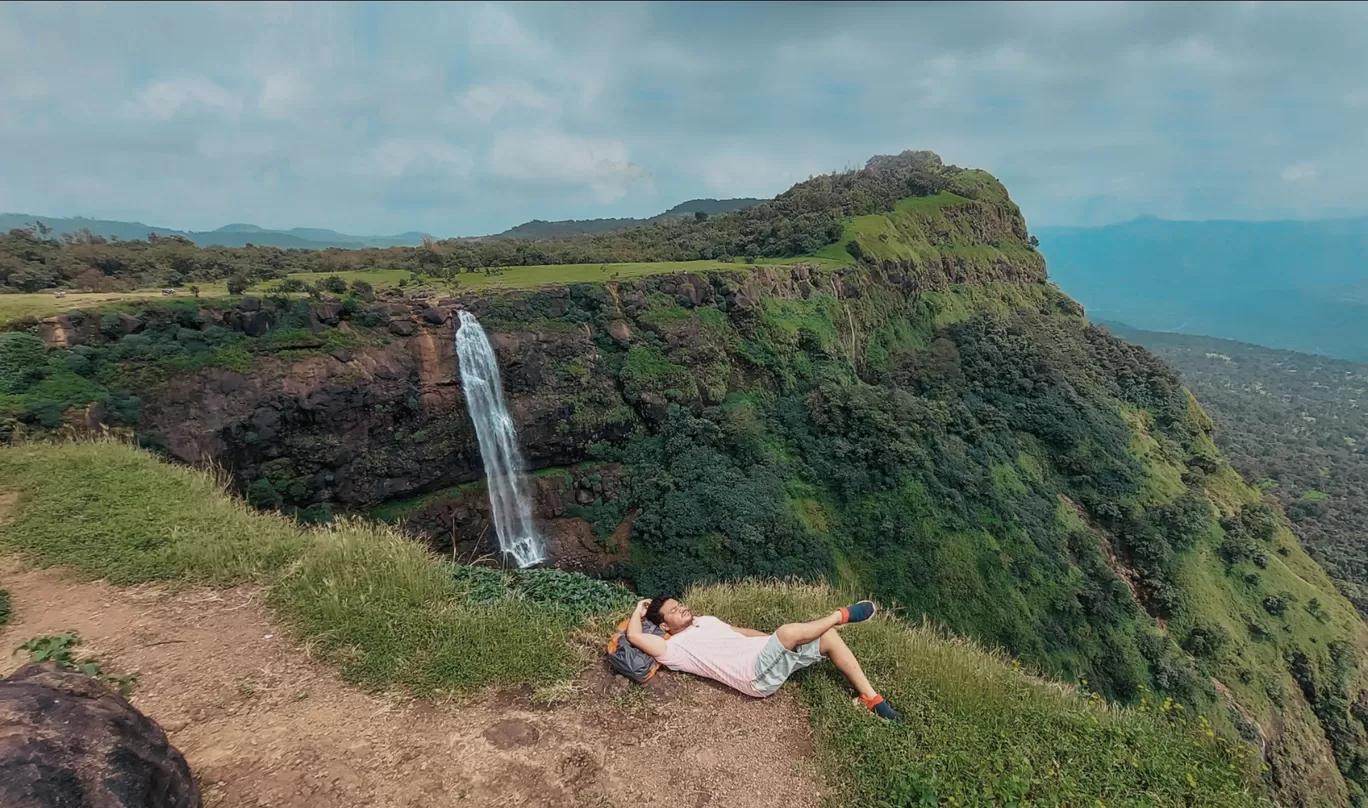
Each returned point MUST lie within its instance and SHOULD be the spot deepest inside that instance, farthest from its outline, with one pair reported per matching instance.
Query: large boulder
(68, 740)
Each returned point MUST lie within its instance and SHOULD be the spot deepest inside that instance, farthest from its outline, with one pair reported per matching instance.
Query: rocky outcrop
(69, 741)
(457, 523)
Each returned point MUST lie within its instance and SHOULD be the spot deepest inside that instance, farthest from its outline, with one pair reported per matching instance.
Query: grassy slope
(979, 731)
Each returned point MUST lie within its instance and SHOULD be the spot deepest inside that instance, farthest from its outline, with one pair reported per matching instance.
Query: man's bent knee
(830, 639)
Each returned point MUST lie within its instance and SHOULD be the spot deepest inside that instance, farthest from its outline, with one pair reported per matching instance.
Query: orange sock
(845, 615)
(870, 701)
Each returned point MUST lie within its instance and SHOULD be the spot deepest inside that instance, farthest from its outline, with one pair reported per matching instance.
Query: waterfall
(503, 461)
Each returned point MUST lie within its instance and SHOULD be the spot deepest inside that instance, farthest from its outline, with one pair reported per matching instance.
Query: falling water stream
(498, 438)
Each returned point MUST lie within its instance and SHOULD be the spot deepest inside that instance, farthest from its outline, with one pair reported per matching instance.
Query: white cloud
(400, 156)
(482, 103)
(745, 173)
(163, 100)
(1305, 170)
(1197, 53)
(556, 157)
(281, 94)
(494, 26)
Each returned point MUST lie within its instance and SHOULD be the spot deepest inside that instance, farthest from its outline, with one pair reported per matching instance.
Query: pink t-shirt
(711, 648)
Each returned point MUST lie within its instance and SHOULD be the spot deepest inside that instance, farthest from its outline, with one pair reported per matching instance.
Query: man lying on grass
(751, 661)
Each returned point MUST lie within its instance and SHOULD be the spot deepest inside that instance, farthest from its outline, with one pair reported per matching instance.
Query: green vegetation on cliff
(979, 730)
(1292, 424)
(984, 457)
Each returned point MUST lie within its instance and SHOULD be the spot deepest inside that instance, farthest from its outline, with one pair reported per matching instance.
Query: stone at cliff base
(435, 316)
(620, 331)
(403, 328)
(69, 740)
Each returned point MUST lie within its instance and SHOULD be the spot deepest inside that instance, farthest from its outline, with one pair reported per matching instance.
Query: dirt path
(262, 725)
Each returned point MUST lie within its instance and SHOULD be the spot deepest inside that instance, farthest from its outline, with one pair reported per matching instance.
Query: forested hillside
(1296, 426)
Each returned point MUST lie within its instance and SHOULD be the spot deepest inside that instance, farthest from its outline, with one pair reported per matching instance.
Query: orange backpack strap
(613, 643)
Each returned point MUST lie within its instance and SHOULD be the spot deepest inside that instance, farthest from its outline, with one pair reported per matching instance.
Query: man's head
(669, 614)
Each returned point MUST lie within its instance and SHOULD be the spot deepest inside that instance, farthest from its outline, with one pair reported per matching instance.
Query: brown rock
(326, 313)
(620, 331)
(435, 316)
(69, 740)
(129, 324)
(403, 328)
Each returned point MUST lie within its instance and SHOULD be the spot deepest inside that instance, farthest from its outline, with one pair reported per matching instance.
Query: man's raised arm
(649, 643)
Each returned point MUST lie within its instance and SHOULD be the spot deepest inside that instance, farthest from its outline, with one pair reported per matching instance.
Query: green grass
(557, 274)
(5, 610)
(390, 614)
(378, 278)
(15, 307)
(981, 732)
(380, 606)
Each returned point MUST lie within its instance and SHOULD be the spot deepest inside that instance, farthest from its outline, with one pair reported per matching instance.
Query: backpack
(629, 660)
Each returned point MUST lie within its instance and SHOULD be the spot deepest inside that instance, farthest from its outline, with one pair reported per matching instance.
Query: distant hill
(232, 235)
(1294, 425)
(539, 229)
(1299, 285)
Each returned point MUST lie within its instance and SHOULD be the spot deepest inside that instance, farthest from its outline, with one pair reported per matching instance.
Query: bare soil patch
(261, 724)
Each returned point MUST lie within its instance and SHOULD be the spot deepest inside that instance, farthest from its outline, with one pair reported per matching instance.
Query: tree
(1035, 243)
(237, 284)
(333, 284)
(362, 289)
(700, 216)
(194, 290)
(855, 250)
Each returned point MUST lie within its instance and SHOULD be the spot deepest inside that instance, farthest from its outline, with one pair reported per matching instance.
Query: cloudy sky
(466, 119)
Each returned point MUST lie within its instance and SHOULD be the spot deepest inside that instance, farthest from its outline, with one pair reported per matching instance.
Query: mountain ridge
(240, 234)
(230, 235)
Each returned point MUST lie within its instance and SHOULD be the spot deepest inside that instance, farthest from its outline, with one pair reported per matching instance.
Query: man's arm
(649, 643)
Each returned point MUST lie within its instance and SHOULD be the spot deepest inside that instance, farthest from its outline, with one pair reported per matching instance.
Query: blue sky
(468, 118)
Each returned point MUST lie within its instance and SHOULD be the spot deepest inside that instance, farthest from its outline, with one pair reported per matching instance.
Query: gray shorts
(776, 663)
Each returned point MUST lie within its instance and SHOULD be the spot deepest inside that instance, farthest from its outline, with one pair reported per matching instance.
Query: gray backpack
(629, 660)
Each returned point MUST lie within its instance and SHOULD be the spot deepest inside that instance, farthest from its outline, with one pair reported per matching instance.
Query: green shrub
(333, 284)
(1277, 604)
(572, 592)
(5, 608)
(23, 361)
(261, 494)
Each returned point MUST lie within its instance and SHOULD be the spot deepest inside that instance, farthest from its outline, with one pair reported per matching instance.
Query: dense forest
(799, 221)
(1296, 426)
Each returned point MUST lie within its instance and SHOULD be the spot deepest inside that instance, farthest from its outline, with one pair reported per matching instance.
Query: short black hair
(653, 611)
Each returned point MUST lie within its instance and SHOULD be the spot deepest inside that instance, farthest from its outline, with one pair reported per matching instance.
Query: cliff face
(351, 428)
